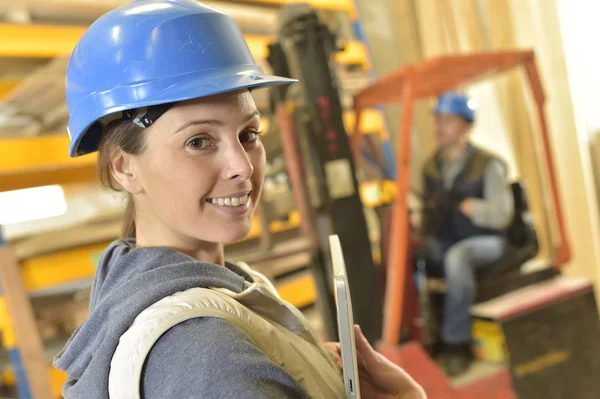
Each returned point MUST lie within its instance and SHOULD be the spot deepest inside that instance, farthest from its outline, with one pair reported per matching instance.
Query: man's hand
(466, 207)
(378, 377)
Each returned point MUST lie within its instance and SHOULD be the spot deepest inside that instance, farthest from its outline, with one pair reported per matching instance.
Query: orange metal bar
(563, 252)
(289, 142)
(356, 139)
(395, 283)
(22, 319)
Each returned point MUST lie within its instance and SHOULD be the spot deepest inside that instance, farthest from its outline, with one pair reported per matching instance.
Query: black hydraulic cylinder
(308, 46)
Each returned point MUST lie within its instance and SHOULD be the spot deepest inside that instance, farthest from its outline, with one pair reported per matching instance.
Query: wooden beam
(333, 5)
(73, 236)
(23, 322)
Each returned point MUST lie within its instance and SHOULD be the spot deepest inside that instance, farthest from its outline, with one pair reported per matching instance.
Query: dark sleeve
(210, 358)
(427, 227)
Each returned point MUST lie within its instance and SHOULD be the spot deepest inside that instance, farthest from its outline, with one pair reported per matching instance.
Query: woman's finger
(363, 348)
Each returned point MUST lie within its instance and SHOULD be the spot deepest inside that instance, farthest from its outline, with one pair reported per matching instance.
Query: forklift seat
(522, 241)
(522, 245)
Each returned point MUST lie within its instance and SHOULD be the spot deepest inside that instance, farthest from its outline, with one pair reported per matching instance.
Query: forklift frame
(424, 79)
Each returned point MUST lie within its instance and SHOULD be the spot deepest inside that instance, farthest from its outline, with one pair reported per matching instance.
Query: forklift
(535, 352)
(541, 327)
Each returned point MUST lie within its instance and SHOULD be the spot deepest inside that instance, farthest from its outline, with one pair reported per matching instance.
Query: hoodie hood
(129, 280)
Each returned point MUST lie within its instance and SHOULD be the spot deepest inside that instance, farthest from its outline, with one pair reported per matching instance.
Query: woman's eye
(249, 136)
(198, 143)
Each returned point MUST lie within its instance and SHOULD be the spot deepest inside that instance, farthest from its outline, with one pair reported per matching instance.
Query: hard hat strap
(144, 117)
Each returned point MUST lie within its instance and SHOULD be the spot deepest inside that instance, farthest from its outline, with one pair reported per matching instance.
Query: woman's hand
(378, 377)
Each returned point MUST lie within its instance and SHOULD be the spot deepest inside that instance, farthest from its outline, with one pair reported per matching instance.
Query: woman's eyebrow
(213, 122)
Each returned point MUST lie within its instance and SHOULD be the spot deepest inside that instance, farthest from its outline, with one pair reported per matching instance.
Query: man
(470, 205)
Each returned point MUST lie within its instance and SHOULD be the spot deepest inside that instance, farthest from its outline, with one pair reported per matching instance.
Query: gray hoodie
(203, 357)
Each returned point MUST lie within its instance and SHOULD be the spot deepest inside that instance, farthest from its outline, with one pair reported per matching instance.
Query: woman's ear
(122, 167)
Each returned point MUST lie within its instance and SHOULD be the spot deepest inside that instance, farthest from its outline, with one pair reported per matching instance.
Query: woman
(161, 90)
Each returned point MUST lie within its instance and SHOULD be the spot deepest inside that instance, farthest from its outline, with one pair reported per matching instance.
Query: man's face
(450, 129)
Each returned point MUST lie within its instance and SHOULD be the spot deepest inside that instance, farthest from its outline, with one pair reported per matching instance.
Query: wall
(537, 25)
(490, 131)
(580, 31)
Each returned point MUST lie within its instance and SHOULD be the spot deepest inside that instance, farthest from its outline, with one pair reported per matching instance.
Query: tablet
(344, 319)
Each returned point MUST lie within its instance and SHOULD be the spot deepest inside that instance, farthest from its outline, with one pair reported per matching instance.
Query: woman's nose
(239, 165)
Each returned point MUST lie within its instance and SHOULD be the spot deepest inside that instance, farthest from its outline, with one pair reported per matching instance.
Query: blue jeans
(459, 261)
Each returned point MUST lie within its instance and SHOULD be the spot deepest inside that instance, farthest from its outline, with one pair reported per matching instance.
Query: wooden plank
(64, 239)
(23, 321)
(273, 268)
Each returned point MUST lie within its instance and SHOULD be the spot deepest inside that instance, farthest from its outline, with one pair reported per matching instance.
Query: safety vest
(279, 329)
(444, 219)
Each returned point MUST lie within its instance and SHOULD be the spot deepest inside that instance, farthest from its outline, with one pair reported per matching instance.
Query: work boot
(456, 359)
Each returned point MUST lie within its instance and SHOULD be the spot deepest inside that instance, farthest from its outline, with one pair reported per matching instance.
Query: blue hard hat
(152, 52)
(456, 103)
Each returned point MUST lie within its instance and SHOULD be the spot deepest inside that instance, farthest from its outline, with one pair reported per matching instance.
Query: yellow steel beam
(36, 152)
(299, 291)
(354, 53)
(371, 121)
(48, 41)
(60, 267)
(39, 41)
(6, 86)
(43, 160)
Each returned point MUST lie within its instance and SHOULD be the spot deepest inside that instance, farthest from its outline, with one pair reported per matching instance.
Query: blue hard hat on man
(153, 52)
(456, 103)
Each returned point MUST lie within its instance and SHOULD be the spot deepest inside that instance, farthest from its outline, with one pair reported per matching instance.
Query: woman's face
(202, 170)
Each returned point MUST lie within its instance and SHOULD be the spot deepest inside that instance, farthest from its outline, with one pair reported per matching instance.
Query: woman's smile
(234, 204)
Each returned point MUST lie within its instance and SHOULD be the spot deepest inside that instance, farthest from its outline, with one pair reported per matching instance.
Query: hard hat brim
(450, 111)
(168, 90)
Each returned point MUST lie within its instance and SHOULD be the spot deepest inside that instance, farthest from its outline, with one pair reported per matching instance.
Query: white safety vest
(279, 329)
